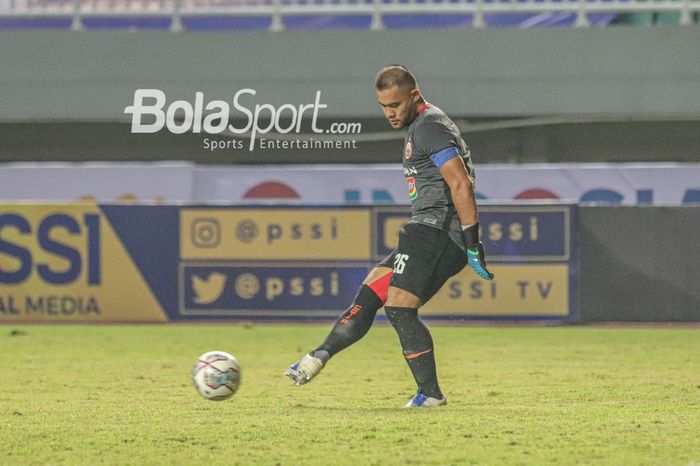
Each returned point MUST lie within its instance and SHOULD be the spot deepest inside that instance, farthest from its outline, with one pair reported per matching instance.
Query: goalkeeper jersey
(431, 141)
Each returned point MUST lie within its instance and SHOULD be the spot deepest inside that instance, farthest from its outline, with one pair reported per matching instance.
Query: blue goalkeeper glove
(475, 252)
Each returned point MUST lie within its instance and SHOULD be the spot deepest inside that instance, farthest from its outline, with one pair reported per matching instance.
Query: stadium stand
(277, 15)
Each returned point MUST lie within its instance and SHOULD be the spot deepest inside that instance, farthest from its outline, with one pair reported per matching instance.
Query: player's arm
(454, 172)
(438, 141)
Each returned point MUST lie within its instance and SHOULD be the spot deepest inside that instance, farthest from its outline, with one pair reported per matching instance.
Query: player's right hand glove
(475, 252)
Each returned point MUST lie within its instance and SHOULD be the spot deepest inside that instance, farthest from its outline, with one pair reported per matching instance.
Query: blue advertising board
(104, 263)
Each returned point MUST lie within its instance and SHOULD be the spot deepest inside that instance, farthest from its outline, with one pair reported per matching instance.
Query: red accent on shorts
(415, 355)
(381, 286)
(422, 109)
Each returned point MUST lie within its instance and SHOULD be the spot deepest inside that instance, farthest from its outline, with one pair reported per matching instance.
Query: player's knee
(391, 313)
(402, 298)
(397, 315)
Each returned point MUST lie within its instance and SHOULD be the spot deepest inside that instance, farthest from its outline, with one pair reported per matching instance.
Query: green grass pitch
(525, 395)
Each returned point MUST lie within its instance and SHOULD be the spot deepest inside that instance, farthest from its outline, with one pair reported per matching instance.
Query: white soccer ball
(216, 375)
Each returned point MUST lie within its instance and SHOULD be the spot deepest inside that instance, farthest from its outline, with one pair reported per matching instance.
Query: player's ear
(415, 94)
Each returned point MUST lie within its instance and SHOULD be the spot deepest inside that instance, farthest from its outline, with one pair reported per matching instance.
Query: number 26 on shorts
(400, 263)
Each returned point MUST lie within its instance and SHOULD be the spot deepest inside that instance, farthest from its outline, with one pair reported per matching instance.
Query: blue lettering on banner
(691, 196)
(379, 196)
(43, 236)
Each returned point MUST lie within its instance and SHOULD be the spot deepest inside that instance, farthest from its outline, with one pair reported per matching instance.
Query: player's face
(399, 105)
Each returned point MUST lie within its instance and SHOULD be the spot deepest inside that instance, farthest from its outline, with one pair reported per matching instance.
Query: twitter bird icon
(207, 290)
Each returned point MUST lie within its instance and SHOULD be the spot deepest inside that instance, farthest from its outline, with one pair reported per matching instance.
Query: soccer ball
(216, 375)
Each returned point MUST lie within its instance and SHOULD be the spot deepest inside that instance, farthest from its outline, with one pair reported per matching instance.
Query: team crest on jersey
(408, 151)
(412, 191)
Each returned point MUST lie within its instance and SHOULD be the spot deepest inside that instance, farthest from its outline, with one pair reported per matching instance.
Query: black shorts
(425, 258)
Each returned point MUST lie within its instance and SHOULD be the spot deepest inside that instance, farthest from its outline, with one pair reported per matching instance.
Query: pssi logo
(58, 247)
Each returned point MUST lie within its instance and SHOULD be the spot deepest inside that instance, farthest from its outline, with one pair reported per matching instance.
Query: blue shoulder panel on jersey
(441, 157)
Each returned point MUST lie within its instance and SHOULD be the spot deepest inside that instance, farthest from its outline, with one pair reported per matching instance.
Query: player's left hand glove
(475, 252)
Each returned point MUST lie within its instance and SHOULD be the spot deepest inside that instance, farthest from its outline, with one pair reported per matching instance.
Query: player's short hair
(395, 75)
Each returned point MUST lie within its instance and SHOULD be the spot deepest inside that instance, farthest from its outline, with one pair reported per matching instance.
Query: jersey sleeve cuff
(441, 157)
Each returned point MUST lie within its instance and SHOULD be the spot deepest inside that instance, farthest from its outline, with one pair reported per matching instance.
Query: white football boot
(304, 370)
(421, 400)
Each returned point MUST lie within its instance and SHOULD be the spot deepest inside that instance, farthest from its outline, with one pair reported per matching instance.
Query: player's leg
(417, 345)
(414, 283)
(351, 326)
(355, 322)
(449, 263)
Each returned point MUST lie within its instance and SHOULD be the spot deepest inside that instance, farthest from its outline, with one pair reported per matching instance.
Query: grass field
(565, 395)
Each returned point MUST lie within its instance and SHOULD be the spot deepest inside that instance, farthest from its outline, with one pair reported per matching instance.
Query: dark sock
(352, 324)
(417, 347)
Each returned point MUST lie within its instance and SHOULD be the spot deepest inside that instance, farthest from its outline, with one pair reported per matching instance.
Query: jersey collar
(423, 107)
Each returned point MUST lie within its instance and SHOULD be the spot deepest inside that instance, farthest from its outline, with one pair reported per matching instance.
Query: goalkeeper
(440, 239)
